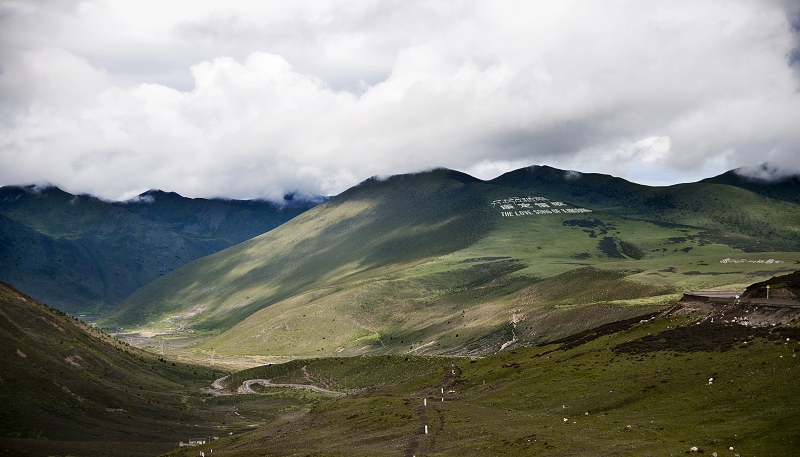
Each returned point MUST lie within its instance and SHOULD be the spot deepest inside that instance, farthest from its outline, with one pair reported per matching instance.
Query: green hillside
(442, 263)
(374, 228)
(758, 220)
(82, 254)
(785, 188)
(63, 383)
(666, 385)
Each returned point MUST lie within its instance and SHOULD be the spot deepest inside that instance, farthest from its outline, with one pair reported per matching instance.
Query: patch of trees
(608, 246)
(585, 223)
(631, 250)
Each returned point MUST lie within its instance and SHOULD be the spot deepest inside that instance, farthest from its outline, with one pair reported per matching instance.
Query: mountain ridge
(785, 188)
(400, 214)
(395, 262)
(88, 254)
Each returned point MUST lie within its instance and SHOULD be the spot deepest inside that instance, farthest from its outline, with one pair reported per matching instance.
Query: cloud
(767, 172)
(261, 99)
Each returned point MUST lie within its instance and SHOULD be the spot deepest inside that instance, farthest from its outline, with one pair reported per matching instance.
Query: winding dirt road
(246, 387)
(218, 387)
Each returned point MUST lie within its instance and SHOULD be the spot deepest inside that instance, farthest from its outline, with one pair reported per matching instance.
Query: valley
(665, 385)
(539, 313)
(84, 255)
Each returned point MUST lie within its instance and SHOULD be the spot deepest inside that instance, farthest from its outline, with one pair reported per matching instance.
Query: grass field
(642, 386)
(337, 373)
(658, 387)
(516, 279)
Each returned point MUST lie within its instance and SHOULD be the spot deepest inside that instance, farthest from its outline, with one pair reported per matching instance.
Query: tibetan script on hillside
(533, 206)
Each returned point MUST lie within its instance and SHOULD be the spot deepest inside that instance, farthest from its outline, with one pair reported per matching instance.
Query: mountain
(373, 228)
(786, 188)
(218, 222)
(733, 216)
(65, 385)
(83, 254)
(443, 263)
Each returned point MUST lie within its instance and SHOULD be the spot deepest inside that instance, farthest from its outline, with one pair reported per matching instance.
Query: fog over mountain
(259, 99)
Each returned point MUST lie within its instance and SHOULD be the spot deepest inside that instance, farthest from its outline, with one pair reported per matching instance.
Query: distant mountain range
(81, 254)
(443, 263)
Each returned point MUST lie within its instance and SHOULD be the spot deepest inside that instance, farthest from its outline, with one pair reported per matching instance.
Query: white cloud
(262, 98)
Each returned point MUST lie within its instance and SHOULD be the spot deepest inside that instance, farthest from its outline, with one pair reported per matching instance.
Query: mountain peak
(778, 185)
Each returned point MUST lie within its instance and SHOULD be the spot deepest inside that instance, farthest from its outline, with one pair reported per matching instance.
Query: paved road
(217, 388)
(266, 382)
(218, 383)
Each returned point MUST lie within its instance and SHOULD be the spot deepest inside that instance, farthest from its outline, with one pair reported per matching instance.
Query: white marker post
(425, 402)
(426, 429)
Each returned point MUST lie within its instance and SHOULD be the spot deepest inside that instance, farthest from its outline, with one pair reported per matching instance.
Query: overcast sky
(253, 99)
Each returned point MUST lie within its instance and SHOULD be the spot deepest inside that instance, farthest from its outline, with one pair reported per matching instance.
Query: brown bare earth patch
(60, 328)
(74, 360)
(719, 327)
(743, 314)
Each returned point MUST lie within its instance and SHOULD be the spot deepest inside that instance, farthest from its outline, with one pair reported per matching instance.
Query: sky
(256, 99)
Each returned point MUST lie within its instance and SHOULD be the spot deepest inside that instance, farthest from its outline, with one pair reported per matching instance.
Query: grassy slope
(82, 254)
(640, 390)
(401, 316)
(485, 291)
(732, 215)
(63, 381)
(374, 228)
(347, 375)
(785, 188)
(474, 294)
(62, 271)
